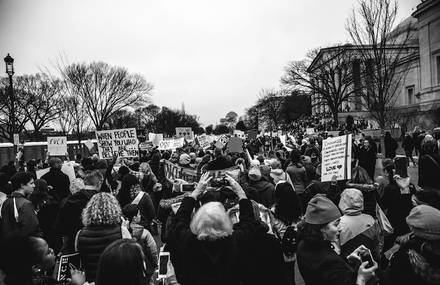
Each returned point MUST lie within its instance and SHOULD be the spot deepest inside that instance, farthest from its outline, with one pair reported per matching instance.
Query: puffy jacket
(92, 240)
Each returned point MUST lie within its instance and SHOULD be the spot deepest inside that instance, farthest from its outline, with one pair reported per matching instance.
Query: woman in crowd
(131, 192)
(357, 228)
(286, 214)
(418, 258)
(102, 225)
(207, 245)
(26, 261)
(297, 172)
(429, 164)
(317, 260)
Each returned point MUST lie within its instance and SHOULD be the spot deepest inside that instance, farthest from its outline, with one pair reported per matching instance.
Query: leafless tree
(269, 104)
(327, 73)
(105, 89)
(386, 51)
(41, 95)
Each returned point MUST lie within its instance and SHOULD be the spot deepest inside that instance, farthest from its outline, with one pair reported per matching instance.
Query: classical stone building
(417, 98)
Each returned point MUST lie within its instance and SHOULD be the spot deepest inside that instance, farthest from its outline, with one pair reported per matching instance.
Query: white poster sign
(178, 143)
(222, 141)
(185, 132)
(57, 145)
(310, 131)
(204, 141)
(166, 144)
(240, 134)
(155, 138)
(121, 142)
(336, 158)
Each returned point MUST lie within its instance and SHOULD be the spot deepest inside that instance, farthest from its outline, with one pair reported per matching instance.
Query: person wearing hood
(317, 260)
(58, 180)
(357, 228)
(396, 200)
(278, 174)
(418, 258)
(429, 164)
(265, 191)
(69, 218)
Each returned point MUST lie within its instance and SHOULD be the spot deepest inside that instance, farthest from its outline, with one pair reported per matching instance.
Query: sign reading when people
(336, 158)
(57, 145)
(122, 142)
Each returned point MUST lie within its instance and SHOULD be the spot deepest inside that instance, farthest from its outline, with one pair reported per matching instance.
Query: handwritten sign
(173, 172)
(185, 132)
(336, 158)
(155, 138)
(166, 144)
(310, 131)
(222, 141)
(239, 134)
(204, 141)
(178, 143)
(121, 142)
(57, 145)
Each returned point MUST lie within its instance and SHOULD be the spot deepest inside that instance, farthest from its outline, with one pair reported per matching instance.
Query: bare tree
(386, 51)
(13, 118)
(104, 89)
(327, 73)
(270, 103)
(41, 95)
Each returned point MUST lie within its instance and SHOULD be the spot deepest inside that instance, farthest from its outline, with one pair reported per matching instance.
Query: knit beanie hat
(424, 222)
(254, 173)
(321, 210)
(351, 202)
(184, 159)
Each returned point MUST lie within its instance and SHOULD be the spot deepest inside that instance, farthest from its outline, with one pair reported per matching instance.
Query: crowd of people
(121, 215)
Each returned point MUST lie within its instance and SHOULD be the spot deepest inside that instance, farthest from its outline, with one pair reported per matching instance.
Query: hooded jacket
(265, 191)
(69, 218)
(60, 183)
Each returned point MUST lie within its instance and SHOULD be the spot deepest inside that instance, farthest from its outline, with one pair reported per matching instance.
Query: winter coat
(24, 221)
(415, 263)
(92, 240)
(69, 218)
(367, 160)
(60, 183)
(320, 264)
(390, 147)
(219, 163)
(397, 203)
(264, 191)
(210, 262)
(298, 176)
(408, 144)
(429, 169)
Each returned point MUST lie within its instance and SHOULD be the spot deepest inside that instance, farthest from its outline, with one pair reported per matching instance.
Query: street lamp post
(9, 61)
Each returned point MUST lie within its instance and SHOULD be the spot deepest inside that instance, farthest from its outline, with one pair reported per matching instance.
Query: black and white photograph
(235, 142)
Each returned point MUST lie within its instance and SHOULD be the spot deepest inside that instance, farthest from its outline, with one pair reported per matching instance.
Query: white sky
(213, 56)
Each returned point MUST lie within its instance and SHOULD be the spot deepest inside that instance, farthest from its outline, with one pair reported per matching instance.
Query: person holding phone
(318, 262)
(206, 243)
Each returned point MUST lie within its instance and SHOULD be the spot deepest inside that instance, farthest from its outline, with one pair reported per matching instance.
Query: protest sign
(146, 146)
(239, 134)
(336, 158)
(222, 141)
(68, 169)
(57, 145)
(66, 263)
(310, 131)
(235, 145)
(155, 138)
(178, 143)
(185, 132)
(234, 172)
(204, 141)
(121, 142)
(173, 172)
(166, 144)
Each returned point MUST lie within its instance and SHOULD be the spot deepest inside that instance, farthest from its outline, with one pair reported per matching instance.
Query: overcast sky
(213, 56)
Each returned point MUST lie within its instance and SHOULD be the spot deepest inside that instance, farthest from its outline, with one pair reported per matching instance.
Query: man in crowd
(57, 179)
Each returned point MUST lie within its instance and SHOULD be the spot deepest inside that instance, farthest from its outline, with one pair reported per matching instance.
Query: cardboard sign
(57, 145)
(239, 134)
(166, 144)
(173, 172)
(310, 131)
(145, 146)
(16, 139)
(65, 264)
(204, 141)
(235, 145)
(155, 138)
(185, 132)
(336, 158)
(222, 141)
(178, 143)
(234, 172)
(121, 142)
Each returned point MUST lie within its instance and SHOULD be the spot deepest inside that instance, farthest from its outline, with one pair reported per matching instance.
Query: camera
(219, 182)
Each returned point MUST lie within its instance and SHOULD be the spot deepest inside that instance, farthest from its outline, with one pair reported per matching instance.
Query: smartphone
(366, 256)
(164, 257)
(188, 187)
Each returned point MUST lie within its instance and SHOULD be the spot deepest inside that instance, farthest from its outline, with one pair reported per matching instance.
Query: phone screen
(163, 263)
(367, 257)
(188, 187)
